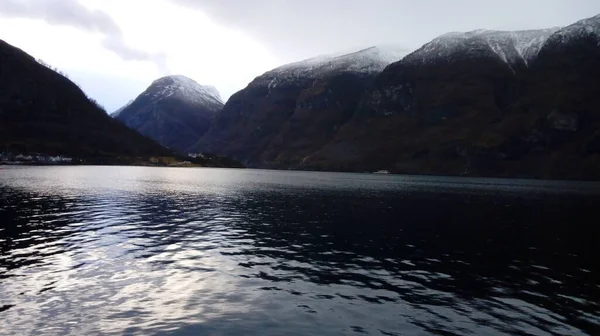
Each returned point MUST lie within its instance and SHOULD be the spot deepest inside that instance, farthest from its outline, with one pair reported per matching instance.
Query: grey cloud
(118, 46)
(72, 13)
(295, 29)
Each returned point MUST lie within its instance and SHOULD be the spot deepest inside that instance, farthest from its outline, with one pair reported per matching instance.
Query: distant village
(12, 158)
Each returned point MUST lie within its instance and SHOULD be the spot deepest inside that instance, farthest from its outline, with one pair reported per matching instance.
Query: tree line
(62, 73)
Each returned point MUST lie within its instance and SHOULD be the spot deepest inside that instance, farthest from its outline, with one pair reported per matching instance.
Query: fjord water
(175, 251)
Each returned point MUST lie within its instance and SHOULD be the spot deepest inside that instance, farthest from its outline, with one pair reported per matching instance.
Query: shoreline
(374, 174)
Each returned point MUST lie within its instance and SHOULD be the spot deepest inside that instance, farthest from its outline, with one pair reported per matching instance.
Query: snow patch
(509, 46)
(370, 60)
(185, 88)
(582, 28)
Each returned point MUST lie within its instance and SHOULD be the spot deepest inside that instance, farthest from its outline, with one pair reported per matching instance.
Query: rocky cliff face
(457, 72)
(42, 111)
(482, 103)
(174, 110)
(487, 103)
(288, 113)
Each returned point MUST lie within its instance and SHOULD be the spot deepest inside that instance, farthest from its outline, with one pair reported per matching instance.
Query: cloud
(115, 48)
(72, 13)
(296, 29)
(118, 46)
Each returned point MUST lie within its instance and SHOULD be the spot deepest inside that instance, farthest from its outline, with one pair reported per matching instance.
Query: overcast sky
(115, 48)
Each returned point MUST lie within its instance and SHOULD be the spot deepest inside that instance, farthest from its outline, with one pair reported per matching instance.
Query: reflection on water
(123, 250)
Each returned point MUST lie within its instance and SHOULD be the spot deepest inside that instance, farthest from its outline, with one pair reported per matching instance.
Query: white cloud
(226, 43)
(193, 45)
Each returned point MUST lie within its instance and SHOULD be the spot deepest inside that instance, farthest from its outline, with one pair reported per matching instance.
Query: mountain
(519, 104)
(291, 111)
(43, 111)
(515, 48)
(457, 72)
(174, 111)
(483, 103)
(117, 112)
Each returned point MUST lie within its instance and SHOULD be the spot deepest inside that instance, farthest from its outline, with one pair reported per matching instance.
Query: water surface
(175, 251)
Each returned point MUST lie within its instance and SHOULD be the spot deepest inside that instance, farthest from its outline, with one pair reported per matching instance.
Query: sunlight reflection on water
(114, 250)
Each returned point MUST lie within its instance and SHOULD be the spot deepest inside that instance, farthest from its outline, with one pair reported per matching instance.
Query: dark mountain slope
(42, 111)
(174, 110)
(520, 104)
(289, 112)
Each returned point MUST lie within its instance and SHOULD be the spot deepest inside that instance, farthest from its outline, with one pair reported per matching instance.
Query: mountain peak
(174, 111)
(368, 60)
(509, 46)
(184, 88)
(581, 28)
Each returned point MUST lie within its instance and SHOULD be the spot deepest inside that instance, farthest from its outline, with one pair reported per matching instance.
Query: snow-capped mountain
(174, 110)
(511, 47)
(367, 61)
(300, 102)
(485, 102)
(184, 88)
(580, 29)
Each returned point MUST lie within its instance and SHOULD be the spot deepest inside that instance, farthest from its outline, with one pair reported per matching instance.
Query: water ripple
(141, 251)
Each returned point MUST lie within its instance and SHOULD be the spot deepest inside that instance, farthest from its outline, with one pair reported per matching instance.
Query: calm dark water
(169, 251)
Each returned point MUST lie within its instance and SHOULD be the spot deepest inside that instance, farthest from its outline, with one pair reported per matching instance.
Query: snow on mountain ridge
(585, 27)
(368, 60)
(509, 46)
(529, 43)
(184, 87)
